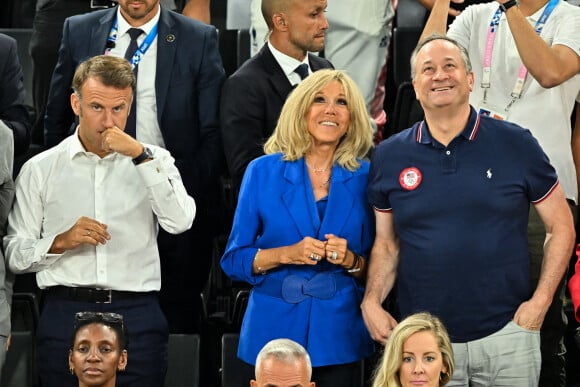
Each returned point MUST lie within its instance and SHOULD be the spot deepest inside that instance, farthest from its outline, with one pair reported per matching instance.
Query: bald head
(272, 7)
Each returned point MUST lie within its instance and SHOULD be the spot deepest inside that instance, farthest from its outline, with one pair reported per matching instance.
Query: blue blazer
(276, 208)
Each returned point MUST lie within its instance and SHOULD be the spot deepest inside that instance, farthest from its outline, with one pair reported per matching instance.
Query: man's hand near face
(116, 140)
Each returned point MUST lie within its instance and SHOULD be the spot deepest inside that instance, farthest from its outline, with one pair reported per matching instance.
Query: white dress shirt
(289, 64)
(148, 130)
(58, 186)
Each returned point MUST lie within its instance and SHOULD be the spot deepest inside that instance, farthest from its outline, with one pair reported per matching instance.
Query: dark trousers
(44, 45)
(148, 337)
(342, 375)
(185, 263)
(553, 373)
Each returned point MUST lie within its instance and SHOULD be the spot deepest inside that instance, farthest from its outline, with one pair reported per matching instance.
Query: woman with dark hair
(98, 348)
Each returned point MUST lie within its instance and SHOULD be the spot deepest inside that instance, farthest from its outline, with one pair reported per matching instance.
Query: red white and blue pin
(410, 178)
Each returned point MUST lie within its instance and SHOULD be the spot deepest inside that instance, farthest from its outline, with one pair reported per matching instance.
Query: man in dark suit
(13, 112)
(253, 96)
(179, 80)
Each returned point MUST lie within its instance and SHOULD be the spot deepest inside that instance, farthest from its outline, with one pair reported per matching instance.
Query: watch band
(143, 156)
(508, 4)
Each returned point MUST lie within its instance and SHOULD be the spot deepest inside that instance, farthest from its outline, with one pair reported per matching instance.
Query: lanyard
(523, 71)
(142, 48)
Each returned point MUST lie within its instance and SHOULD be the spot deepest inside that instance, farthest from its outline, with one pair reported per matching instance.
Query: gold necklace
(326, 181)
(317, 170)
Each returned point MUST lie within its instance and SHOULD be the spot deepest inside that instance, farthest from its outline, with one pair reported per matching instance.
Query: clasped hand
(310, 251)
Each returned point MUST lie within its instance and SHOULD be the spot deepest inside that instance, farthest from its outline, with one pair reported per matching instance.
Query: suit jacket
(13, 110)
(6, 198)
(251, 102)
(189, 77)
(276, 208)
(188, 83)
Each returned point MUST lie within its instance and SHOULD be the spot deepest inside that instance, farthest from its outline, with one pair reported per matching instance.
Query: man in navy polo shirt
(451, 198)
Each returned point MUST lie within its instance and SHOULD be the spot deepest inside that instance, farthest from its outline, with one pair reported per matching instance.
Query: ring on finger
(312, 256)
(89, 232)
(334, 255)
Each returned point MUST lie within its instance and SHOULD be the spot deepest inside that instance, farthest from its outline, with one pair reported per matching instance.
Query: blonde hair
(291, 136)
(387, 372)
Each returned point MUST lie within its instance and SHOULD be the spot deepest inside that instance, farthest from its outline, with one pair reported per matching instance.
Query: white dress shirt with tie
(148, 130)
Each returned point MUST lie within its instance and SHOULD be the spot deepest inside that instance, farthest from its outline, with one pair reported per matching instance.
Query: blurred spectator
(6, 198)
(13, 112)
(358, 38)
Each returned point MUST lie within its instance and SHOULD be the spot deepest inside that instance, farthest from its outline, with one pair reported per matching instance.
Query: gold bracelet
(260, 270)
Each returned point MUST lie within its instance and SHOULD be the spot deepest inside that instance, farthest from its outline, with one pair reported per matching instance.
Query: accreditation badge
(487, 109)
(410, 178)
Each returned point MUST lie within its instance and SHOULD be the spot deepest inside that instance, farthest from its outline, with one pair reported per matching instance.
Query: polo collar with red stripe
(423, 136)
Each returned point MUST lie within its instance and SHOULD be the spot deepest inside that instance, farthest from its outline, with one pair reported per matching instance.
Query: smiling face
(96, 356)
(422, 363)
(329, 116)
(441, 78)
(99, 108)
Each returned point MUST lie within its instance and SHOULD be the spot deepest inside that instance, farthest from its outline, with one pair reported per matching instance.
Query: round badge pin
(410, 178)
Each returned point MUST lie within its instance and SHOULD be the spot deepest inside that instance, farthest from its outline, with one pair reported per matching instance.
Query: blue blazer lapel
(166, 47)
(100, 32)
(340, 203)
(299, 200)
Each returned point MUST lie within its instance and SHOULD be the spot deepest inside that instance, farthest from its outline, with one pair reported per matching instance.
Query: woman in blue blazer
(303, 230)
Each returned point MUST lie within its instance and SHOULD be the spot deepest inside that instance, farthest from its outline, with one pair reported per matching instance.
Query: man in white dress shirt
(86, 219)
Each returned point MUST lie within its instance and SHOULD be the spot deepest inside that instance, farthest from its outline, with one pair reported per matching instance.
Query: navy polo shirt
(461, 215)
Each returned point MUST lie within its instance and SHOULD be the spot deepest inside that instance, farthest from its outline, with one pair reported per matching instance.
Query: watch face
(148, 152)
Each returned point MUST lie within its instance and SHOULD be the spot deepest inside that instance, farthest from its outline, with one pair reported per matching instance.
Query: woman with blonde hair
(418, 351)
(303, 230)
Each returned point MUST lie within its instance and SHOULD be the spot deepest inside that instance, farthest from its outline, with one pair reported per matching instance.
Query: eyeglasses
(109, 318)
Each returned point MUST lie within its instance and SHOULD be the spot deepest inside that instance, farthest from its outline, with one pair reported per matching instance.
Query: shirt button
(448, 152)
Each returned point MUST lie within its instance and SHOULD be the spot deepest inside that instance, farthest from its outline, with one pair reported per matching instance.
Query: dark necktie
(302, 70)
(131, 126)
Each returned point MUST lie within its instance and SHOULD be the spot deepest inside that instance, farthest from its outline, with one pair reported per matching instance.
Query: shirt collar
(469, 132)
(287, 63)
(76, 148)
(123, 26)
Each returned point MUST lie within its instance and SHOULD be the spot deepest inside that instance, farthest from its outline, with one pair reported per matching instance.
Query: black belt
(98, 296)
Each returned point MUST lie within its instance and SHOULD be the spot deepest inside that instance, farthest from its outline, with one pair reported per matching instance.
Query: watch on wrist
(508, 4)
(147, 154)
